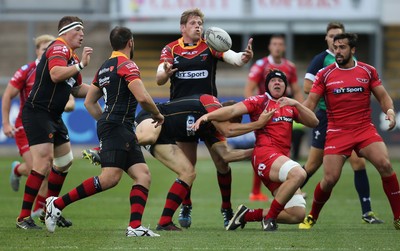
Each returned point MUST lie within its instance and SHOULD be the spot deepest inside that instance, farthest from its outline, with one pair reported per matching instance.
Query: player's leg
(140, 173)
(378, 155)
(292, 176)
(224, 177)
(146, 133)
(362, 187)
(21, 169)
(174, 158)
(185, 214)
(316, 153)
(111, 172)
(42, 160)
(333, 164)
(314, 161)
(293, 213)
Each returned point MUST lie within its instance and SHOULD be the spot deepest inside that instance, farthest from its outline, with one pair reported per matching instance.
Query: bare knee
(188, 177)
(144, 178)
(108, 181)
(384, 167)
(296, 174)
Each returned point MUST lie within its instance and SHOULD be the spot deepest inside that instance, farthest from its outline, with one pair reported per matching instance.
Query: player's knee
(292, 170)
(330, 180)
(296, 208)
(144, 178)
(187, 174)
(63, 163)
(384, 167)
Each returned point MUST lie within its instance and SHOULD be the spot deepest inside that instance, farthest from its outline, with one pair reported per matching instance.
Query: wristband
(79, 66)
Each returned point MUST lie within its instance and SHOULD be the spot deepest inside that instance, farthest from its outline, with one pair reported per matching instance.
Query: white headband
(69, 27)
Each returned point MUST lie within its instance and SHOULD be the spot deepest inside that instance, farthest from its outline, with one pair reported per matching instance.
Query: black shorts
(319, 132)
(118, 145)
(42, 127)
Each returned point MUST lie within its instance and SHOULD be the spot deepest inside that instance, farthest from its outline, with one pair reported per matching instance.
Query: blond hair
(191, 13)
(43, 39)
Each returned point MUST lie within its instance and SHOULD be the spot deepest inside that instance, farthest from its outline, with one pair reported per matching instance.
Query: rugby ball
(218, 39)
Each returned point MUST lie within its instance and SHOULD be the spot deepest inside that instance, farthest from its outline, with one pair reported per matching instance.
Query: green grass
(100, 221)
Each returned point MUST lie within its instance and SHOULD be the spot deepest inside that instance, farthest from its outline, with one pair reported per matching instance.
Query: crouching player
(281, 175)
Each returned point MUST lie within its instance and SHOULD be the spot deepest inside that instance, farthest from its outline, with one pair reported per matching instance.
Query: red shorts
(344, 141)
(263, 158)
(21, 140)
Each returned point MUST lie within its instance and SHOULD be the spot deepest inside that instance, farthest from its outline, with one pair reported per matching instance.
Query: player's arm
(386, 104)
(306, 116)
(10, 93)
(231, 155)
(80, 91)
(249, 88)
(239, 58)
(144, 99)
(70, 106)
(229, 129)
(91, 104)
(297, 93)
(222, 114)
(307, 85)
(59, 73)
(164, 72)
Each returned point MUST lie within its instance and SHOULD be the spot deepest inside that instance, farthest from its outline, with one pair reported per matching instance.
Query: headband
(69, 27)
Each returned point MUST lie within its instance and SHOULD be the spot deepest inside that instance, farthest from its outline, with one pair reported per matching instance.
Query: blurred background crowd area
(155, 23)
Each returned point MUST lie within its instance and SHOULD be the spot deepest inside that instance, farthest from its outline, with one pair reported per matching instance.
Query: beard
(342, 61)
(131, 54)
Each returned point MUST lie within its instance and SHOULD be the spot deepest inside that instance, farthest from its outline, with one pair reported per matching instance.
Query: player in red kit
(256, 83)
(270, 160)
(347, 86)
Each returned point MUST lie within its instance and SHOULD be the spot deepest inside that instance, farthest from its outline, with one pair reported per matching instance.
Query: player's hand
(266, 116)
(248, 53)
(86, 53)
(203, 119)
(391, 116)
(158, 119)
(8, 130)
(168, 68)
(284, 101)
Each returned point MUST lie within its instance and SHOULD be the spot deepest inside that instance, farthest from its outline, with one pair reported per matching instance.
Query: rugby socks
(55, 182)
(320, 198)
(32, 186)
(175, 196)
(392, 191)
(362, 186)
(187, 200)
(256, 184)
(138, 199)
(253, 215)
(274, 210)
(16, 170)
(88, 188)
(40, 203)
(224, 183)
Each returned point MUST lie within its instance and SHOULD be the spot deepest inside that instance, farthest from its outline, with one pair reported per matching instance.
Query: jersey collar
(115, 54)
(182, 44)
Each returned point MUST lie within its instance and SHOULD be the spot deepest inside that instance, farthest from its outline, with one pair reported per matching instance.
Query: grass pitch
(99, 222)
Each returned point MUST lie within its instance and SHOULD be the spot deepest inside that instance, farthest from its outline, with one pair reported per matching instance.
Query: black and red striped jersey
(196, 64)
(113, 78)
(47, 95)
